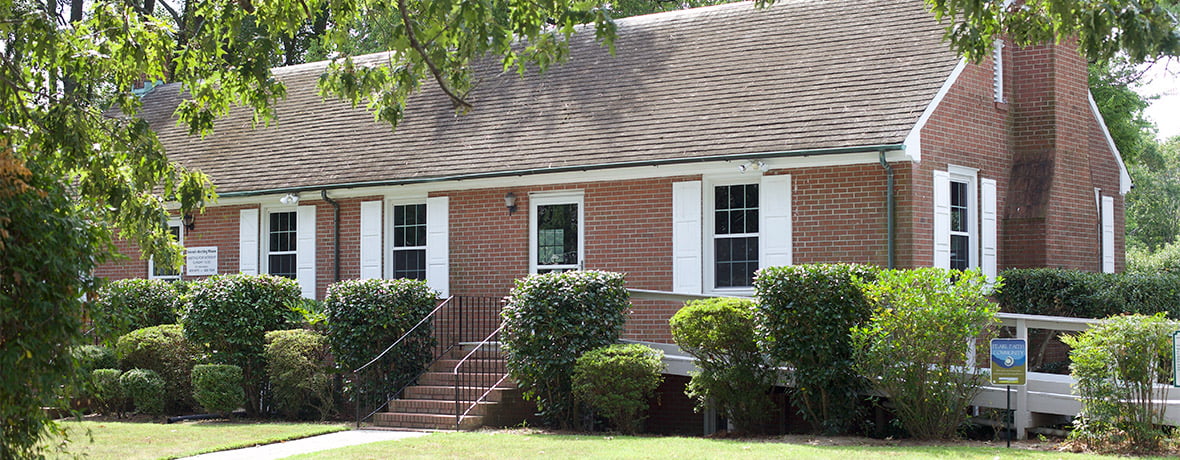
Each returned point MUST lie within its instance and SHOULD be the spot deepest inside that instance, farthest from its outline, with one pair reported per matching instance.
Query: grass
(502, 445)
(128, 441)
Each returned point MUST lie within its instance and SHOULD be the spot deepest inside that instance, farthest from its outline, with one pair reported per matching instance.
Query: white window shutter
(248, 242)
(774, 228)
(305, 262)
(371, 254)
(942, 219)
(1107, 234)
(686, 237)
(438, 252)
(987, 230)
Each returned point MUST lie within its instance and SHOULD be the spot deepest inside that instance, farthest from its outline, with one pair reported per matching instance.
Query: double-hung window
(962, 225)
(555, 232)
(964, 220)
(735, 235)
(409, 241)
(167, 273)
(282, 244)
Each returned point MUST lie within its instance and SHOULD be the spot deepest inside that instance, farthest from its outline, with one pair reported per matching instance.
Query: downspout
(336, 234)
(888, 207)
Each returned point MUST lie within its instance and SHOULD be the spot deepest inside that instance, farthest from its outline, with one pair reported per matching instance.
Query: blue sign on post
(1009, 361)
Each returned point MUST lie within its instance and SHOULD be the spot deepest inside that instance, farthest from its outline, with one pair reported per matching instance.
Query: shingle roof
(723, 80)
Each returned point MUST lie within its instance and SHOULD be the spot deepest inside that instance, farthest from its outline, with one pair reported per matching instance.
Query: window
(165, 273)
(735, 235)
(282, 244)
(964, 220)
(960, 230)
(409, 241)
(555, 236)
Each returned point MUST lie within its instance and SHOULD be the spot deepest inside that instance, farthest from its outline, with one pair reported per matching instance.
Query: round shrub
(366, 316)
(106, 392)
(552, 319)
(617, 381)
(230, 314)
(298, 364)
(735, 377)
(1117, 365)
(126, 305)
(915, 347)
(145, 388)
(803, 315)
(165, 350)
(91, 357)
(218, 387)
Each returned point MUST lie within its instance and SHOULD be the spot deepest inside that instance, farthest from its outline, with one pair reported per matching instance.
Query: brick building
(716, 141)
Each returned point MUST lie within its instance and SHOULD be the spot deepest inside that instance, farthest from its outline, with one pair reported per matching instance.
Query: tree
(1153, 206)
(1142, 30)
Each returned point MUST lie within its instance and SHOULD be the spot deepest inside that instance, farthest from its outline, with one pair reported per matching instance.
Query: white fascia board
(1124, 177)
(573, 177)
(913, 140)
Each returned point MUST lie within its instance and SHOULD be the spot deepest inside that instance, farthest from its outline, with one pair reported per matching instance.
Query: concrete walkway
(312, 444)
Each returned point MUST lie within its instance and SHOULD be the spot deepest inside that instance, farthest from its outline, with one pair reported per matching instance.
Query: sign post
(1009, 366)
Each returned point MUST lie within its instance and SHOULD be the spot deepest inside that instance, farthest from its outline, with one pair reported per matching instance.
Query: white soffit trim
(1124, 178)
(913, 140)
(728, 167)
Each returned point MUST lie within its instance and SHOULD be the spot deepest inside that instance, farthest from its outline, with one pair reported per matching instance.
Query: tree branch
(456, 100)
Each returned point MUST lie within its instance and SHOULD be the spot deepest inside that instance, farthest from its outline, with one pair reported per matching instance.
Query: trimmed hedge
(145, 388)
(106, 392)
(552, 319)
(366, 316)
(298, 364)
(617, 381)
(91, 357)
(1074, 293)
(735, 377)
(803, 315)
(126, 305)
(230, 314)
(218, 387)
(165, 350)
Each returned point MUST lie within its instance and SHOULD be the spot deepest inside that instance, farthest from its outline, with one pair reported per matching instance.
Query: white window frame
(390, 205)
(970, 177)
(555, 198)
(264, 238)
(708, 222)
(172, 222)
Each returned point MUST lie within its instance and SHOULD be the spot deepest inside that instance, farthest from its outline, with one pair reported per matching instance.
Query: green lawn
(128, 441)
(503, 445)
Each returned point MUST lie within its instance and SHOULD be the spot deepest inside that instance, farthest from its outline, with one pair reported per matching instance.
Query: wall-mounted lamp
(760, 165)
(289, 198)
(510, 202)
(188, 220)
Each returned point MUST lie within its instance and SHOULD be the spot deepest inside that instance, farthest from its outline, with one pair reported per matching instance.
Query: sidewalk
(312, 444)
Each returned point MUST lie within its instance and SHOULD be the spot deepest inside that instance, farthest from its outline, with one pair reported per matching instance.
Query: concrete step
(436, 406)
(425, 421)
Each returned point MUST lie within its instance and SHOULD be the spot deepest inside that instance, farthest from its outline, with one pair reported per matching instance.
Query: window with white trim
(282, 244)
(734, 238)
(165, 273)
(409, 241)
(965, 225)
(964, 229)
(555, 232)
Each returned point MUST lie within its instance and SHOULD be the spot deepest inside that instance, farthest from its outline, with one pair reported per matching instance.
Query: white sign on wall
(201, 261)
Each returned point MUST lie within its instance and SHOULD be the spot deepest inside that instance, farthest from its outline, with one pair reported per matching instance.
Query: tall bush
(915, 347)
(229, 314)
(1079, 294)
(165, 350)
(126, 305)
(617, 380)
(1117, 365)
(366, 316)
(735, 377)
(218, 388)
(298, 364)
(550, 320)
(145, 389)
(106, 392)
(803, 316)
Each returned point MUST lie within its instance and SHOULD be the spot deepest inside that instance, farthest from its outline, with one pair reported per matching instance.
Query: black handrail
(356, 372)
(473, 379)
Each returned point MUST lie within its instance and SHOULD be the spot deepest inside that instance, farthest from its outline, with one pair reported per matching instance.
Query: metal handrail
(455, 376)
(356, 372)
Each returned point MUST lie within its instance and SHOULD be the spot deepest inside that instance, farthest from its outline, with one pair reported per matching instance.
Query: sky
(1163, 79)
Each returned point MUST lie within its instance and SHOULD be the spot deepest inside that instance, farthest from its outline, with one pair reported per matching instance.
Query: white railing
(1044, 397)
